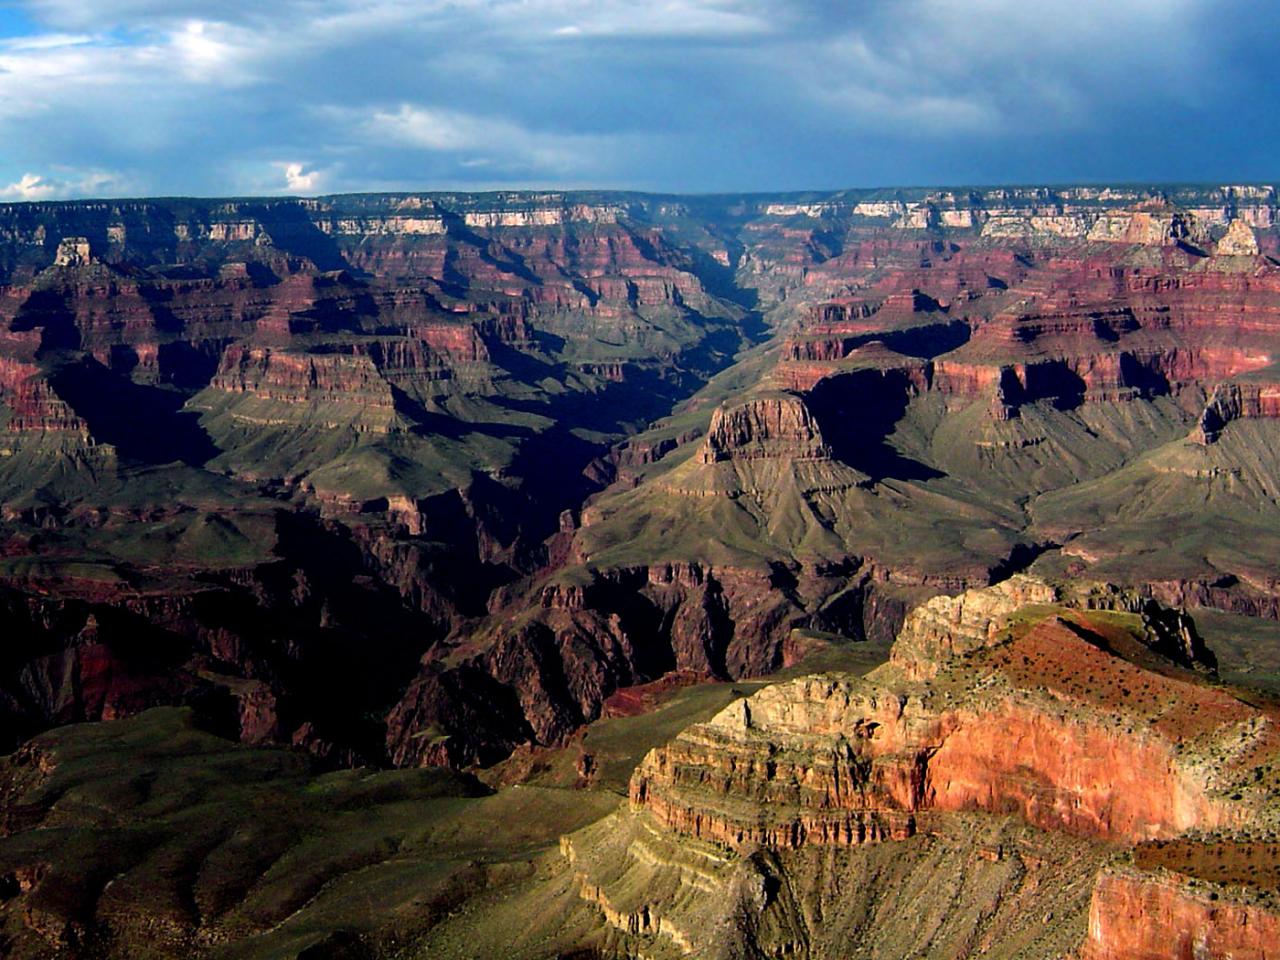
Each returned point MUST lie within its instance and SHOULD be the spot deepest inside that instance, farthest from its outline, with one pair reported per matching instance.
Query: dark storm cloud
(302, 96)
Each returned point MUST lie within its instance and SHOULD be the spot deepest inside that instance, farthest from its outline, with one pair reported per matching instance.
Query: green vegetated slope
(1181, 508)
(153, 837)
(969, 490)
(1248, 648)
(157, 839)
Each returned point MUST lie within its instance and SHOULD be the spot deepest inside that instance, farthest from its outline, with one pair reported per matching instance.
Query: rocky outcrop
(1030, 712)
(326, 383)
(946, 627)
(394, 226)
(34, 406)
(774, 427)
(1236, 401)
(546, 215)
(1238, 241)
(837, 760)
(73, 252)
(555, 668)
(882, 775)
(770, 789)
(1136, 916)
(1154, 227)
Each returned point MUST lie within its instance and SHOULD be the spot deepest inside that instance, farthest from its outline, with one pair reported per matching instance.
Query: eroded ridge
(1083, 713)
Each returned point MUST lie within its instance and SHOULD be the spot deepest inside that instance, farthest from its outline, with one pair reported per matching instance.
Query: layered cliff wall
(1139, 917)
(1066, 718)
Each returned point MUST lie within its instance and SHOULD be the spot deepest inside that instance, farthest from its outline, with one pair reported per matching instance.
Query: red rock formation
(1141, 917)
(1236, 401)
(471, 340)
(1042, 719)
(1042, 725)
(316, 380)
(33, 405)
(774, 426)
(1078, 327)
(1057, 773)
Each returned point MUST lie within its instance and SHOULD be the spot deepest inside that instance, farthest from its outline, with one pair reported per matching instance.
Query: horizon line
(1152, 185)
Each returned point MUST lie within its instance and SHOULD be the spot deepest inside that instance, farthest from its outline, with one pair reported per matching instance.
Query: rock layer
(1067, 718)
(1144, 918)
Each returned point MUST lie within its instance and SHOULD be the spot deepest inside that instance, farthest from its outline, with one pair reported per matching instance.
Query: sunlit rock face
(831, 760)
(1154, 918)
(1084, 714)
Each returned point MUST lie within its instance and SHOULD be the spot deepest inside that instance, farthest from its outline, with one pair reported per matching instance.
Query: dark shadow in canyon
(857, 412)
(143, 423)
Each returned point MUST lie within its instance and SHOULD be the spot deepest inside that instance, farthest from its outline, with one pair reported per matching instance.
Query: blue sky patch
(136, 97)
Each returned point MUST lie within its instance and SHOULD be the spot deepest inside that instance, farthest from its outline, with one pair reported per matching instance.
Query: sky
(105, 98)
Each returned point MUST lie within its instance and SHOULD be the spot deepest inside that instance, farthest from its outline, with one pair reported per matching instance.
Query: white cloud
(435, 129)
(306, 19)
(45, 41)
(486, 140)
(211, 52)
(35, 80)
(34, 186)
(298, 179)
(31, 187)
(673, 18)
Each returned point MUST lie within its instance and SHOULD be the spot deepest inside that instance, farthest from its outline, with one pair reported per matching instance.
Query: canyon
(447, 485)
